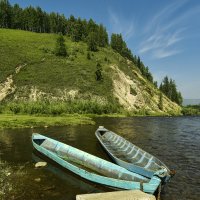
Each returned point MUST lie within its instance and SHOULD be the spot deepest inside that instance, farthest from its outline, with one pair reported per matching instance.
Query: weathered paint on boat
(130, 156)
(91, 167)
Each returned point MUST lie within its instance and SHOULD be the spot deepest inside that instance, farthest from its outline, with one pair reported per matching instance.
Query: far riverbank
(28, 121)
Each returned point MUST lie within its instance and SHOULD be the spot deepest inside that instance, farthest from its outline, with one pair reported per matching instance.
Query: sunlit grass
(22, 121)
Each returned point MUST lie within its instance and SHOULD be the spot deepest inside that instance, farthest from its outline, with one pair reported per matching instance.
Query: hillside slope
(31, 72)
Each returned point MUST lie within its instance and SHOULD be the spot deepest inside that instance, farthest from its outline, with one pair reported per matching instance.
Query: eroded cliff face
(8, 87)
(138, 93)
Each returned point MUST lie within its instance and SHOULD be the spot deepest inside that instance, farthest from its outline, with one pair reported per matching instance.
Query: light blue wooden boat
(93, 168)
(131, 157)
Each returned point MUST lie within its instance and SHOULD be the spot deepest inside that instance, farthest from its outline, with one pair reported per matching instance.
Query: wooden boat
(131, 157)
(91, 167)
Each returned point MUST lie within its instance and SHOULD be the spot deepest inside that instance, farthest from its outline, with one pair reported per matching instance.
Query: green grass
(191, 110)
(22, 121)
(46, 71)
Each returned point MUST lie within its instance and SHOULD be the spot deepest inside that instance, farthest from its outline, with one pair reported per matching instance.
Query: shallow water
(174, 140)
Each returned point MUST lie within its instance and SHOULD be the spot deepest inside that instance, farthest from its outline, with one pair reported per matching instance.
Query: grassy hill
(33, 79)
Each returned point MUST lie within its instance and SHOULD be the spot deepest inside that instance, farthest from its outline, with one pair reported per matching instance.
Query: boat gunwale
(115, 158)
(117, 167)
(149, 187)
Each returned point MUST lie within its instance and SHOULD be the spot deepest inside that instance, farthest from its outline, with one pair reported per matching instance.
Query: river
(174, 140)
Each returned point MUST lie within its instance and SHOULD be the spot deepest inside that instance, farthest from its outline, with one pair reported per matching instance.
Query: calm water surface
(175, 141)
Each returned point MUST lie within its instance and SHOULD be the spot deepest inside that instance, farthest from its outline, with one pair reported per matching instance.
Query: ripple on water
(176, 141)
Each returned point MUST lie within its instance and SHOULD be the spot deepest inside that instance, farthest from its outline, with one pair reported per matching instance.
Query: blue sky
(164, 33)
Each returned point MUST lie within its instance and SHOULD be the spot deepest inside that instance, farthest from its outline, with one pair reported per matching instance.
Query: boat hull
(149, 187)
(131, 157)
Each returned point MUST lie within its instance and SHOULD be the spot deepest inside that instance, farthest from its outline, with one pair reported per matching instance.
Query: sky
(164, 33)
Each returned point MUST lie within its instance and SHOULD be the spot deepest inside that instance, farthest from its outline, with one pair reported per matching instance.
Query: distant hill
(30, 72)
(191, 102)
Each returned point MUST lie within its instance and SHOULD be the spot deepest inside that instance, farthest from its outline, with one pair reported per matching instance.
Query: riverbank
(25, 121)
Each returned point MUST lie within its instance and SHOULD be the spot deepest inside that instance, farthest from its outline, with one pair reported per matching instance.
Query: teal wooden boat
(91, 167)
(131, 157)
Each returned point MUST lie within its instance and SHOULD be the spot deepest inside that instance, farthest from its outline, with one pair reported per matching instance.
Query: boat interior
(86, 161)
(126, 151)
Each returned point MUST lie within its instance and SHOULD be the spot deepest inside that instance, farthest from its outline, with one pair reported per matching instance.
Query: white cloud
(121, 25)
(166, 29)
(164, 14)
(160, 44)
(163, 53)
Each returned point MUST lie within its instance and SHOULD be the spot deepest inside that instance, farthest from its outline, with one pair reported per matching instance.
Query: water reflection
(173, 140)
(72, 180)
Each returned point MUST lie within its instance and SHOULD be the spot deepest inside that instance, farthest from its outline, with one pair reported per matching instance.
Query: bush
(190, 111)
(133, 91)
(88, 56)
(58, 108)
(60, 49)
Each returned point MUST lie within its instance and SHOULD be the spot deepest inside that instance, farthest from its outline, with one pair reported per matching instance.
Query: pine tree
(138, 62)
(60, 49)
(165, 87)
(88, 56)
(5, 14)
(180, 98)
(91, 27)
(160, 104)
(155, 84)
(102, 36)
(98, 72)
(53, 22)
(17, 17)
(92, 41)
(168, 87)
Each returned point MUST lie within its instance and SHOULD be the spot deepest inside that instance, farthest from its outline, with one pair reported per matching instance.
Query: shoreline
(28, 121)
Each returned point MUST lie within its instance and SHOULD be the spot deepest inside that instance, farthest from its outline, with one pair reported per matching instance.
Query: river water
(174, 140)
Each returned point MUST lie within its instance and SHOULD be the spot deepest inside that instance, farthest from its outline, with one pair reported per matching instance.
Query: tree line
(37, 20)
(168, 87)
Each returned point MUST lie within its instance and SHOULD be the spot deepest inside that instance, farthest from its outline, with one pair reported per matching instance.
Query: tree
(102, 36)
(92, 41)
(168, 87)
(92, 26)
(117, 42)
(88, 56)
(160, 104)
(5, 14)
(138, 62)
(60, 49)
(17, 18)
(39, 20)
(180, 98)
(98, 72)
(155, 84)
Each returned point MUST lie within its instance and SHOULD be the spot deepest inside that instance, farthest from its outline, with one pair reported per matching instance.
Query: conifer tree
(155, 84)
(17, 17)
(92, 41)
(168, 87)
(5, 14)
(60, 49)
(98, 72)
(88, 56)
(160, 104)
